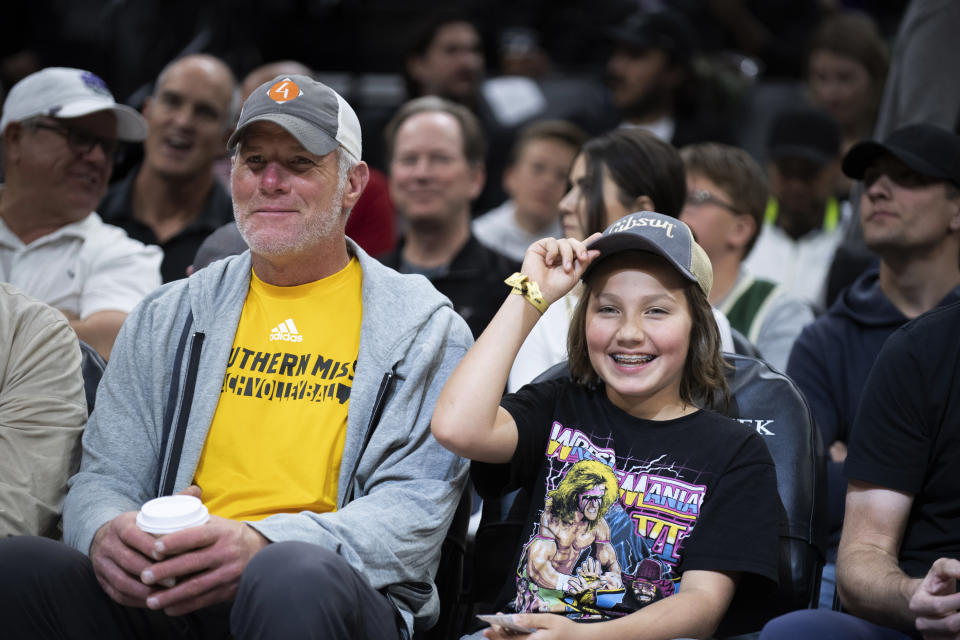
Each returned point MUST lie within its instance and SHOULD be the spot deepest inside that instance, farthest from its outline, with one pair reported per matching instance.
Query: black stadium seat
(770, 402)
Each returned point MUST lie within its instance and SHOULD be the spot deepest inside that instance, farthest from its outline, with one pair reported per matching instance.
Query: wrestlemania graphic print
(610, 533)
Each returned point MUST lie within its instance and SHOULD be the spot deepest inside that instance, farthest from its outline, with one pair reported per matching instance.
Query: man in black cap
(910, 213)
(653, 83)
(803, 222)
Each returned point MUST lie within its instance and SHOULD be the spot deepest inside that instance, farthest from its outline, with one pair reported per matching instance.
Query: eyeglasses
(80, 141)
(702, 196)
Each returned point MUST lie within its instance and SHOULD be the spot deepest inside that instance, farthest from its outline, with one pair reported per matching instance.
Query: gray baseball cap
(659, 234)
(62, 92)
(313, 113)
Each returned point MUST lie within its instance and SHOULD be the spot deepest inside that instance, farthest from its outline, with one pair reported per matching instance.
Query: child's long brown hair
(702, 384)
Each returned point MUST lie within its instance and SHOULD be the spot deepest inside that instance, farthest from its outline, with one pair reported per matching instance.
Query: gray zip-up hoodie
(397, 493)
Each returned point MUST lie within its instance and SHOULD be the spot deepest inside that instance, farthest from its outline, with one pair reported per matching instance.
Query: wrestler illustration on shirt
(643, 587)
(528, 598)
(571, 553)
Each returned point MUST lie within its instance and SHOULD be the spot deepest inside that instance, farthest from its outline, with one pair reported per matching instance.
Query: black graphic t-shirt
(622, 506)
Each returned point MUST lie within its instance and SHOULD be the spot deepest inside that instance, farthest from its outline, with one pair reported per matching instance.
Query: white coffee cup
(167, 514)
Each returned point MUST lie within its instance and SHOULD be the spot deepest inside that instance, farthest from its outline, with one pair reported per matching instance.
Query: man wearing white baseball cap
(60, 128)
(291, 388)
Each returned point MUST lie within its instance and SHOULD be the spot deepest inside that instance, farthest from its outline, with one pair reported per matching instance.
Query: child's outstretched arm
(468, 419)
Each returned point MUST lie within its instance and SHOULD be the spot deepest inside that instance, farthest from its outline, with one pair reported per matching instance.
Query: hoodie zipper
(378, 405)
(169, 475)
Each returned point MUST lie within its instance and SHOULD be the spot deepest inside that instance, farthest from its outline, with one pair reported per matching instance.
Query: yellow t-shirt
(277, 436)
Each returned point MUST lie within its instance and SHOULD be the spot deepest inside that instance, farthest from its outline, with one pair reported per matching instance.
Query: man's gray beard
(320, 227)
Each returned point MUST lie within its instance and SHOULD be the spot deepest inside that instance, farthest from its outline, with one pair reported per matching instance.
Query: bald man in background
(173, 199)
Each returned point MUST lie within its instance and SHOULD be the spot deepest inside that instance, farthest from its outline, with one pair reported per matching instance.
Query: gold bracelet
(523, 286)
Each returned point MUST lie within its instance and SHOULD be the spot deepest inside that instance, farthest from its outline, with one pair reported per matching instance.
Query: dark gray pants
(48, 591)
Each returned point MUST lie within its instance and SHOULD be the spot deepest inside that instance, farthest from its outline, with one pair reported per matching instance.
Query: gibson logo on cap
(631, 222)
(284, 91)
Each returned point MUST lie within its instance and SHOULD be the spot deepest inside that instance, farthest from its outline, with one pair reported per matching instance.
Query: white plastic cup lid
(171, 513)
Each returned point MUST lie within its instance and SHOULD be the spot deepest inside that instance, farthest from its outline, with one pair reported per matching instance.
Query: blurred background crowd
(739, 58)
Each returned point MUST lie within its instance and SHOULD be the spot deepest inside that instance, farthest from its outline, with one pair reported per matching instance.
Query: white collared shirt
(81, 268)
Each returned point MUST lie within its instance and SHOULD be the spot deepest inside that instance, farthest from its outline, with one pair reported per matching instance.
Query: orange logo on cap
(284, 91)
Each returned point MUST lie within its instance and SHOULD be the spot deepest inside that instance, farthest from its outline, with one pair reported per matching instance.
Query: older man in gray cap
(60, 130)
(291, 387)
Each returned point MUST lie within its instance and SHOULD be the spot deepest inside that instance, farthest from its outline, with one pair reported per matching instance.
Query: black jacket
(830, 362)
(473, 282)
(116, 208)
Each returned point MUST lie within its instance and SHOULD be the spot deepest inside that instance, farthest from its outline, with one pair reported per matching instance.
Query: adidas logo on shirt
(286, 331)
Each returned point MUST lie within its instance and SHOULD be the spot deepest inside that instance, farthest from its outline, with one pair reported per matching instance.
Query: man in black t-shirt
(910, 217)
(899, 555)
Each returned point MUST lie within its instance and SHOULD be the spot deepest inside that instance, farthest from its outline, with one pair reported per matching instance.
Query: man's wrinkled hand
(202, 564)
(936, 602)
(120, 551)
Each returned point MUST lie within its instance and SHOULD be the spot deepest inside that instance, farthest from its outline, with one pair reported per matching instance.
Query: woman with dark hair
(622, 171)
(846, 72)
